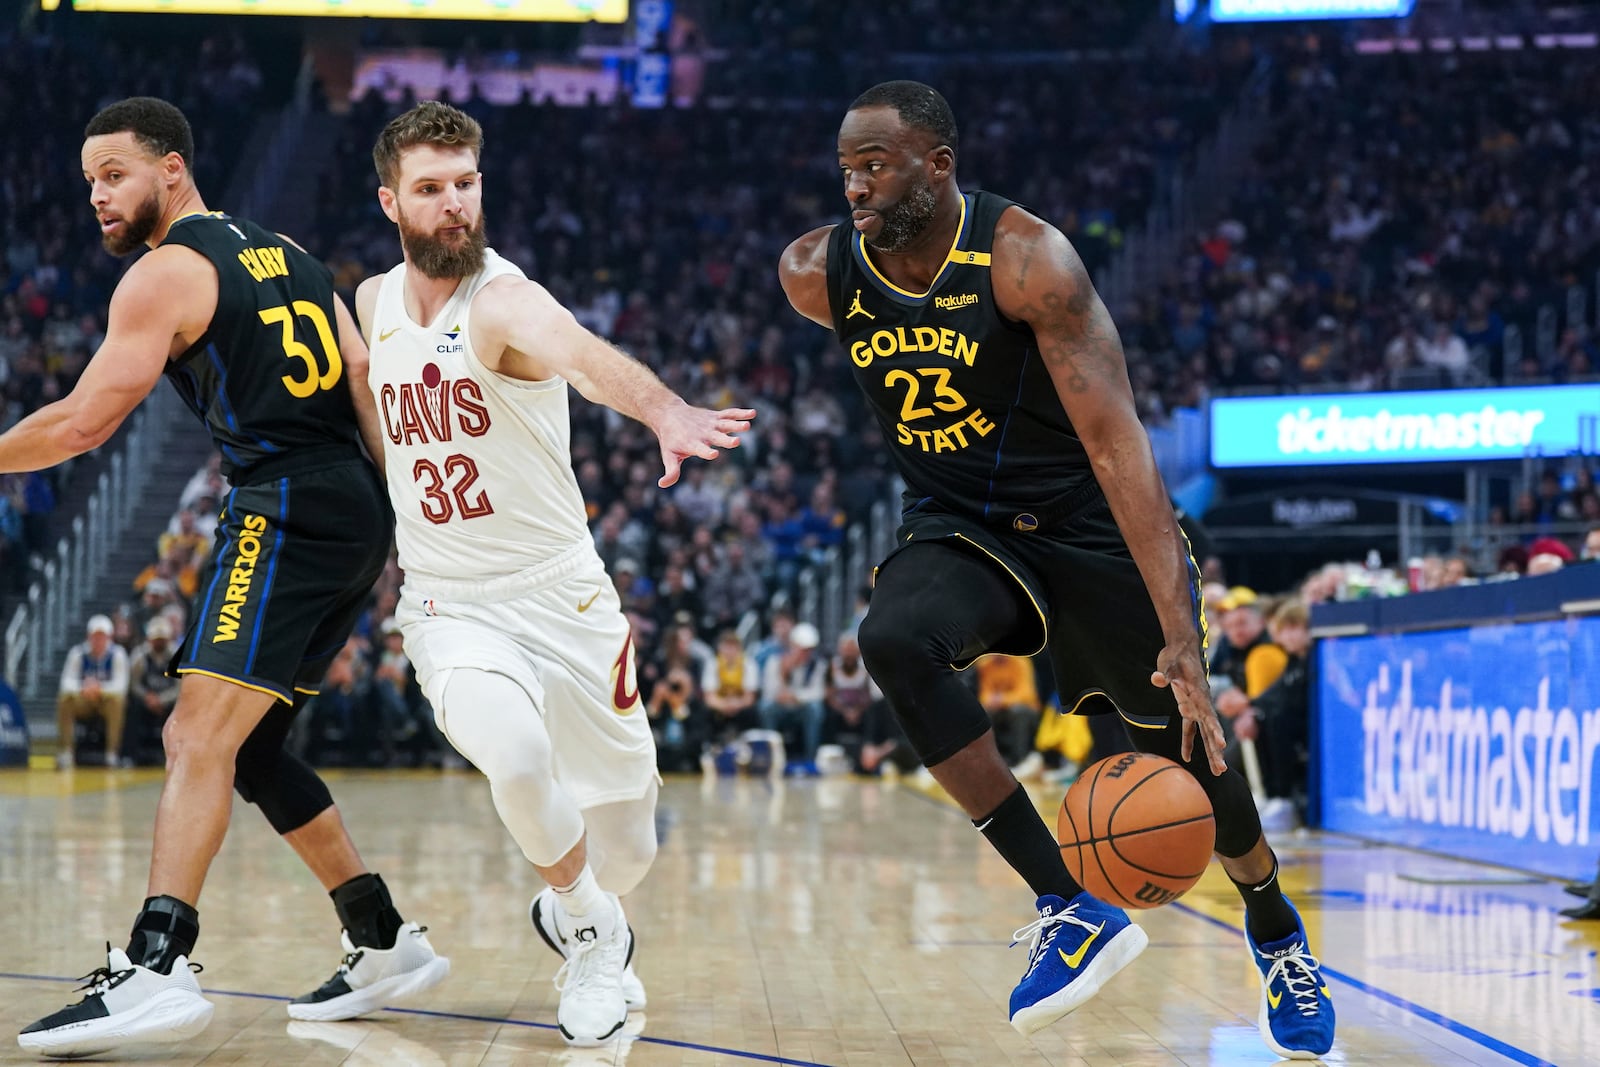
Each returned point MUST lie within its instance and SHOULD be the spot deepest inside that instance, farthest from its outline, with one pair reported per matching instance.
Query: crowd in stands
(1402, 213)
(1399, 220)
(54, 279)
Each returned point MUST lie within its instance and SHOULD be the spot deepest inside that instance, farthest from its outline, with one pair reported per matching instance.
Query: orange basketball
(1136, 830)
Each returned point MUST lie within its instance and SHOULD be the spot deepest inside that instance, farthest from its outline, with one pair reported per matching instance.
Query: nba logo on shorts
(427, 607)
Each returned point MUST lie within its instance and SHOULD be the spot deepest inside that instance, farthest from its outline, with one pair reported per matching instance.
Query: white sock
(583, 897)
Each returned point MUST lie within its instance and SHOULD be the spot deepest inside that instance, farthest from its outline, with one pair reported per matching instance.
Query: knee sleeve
(622, 842)
(1238, 823)
(492, 721)
(935, 606)
(285, 788)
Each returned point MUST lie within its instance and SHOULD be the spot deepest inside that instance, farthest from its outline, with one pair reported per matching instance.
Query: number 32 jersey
(479, 465)
(266, 377)
(970, 412)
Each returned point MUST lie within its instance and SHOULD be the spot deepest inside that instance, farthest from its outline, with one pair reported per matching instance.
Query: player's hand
(1180, 669)
(686, 431)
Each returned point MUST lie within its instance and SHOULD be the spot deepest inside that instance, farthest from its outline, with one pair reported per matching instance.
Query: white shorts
(559, 632)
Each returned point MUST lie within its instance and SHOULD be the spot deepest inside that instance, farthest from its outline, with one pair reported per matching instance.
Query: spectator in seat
(858, 719)
(1009, 692)
(151, 694)
(1278, 719)
(792, 685)
(730, 686)
(734, 586)
(94, 684)
(681, 724)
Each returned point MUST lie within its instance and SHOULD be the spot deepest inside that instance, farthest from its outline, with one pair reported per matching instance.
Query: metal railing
(42, 628)
(825, 591)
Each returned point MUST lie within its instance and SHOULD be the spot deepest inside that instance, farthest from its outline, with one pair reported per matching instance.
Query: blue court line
(1493, 1044)
(667, 1041)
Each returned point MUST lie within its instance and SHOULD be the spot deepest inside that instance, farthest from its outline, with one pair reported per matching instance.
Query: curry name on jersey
(969, 409)
(266, 377)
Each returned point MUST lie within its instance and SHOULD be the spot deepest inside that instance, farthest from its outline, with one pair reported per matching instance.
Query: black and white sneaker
(374, 978)
(550, 920)
(123, 1005)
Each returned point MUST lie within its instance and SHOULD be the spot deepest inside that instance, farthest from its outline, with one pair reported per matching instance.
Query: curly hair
(430, 122)
(158, 126)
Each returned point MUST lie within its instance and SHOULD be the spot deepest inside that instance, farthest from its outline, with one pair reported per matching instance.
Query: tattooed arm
(1039, 279)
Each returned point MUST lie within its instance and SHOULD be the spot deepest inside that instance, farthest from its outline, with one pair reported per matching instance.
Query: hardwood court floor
(835, 922)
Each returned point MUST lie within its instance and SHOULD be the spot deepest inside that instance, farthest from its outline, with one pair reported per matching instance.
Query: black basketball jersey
(971, 413)
(266, 377)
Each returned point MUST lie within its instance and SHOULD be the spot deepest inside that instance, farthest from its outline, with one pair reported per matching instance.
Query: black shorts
(295, 557)
(1085, 599)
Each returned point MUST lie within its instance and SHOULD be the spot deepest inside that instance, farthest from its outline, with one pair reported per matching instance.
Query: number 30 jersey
(266, 377)
(970, 412)
(479, 465)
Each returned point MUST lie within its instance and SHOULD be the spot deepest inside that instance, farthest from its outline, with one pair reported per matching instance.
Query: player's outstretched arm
(519, 330)
(357, 362)
(167, 292)
(803, 273)
(1039, 279)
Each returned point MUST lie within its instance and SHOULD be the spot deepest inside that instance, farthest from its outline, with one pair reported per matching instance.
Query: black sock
(165, 929)
(366, 912)
(1267, 915)
(1020, 836)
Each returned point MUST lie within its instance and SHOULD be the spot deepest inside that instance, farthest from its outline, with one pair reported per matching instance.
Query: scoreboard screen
(503, 10)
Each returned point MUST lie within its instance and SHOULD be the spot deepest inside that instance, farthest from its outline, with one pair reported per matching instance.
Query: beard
(910, 216)
(439, 257)
(136, 228)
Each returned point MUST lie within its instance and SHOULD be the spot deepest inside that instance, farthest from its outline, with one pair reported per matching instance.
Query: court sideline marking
(716, 1050)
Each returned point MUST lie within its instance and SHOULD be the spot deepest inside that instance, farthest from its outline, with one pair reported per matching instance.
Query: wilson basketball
(1136, 830)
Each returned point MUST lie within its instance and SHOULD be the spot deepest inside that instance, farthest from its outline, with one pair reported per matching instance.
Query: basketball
(1136, 830)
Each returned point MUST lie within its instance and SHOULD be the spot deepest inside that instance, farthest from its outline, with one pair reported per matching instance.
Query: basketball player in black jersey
(1034, 517)
(247, 327)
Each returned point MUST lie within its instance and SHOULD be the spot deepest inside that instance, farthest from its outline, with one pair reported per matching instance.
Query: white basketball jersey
(479, 465)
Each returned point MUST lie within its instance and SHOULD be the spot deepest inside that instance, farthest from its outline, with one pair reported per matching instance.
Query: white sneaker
(1032, 766)
(374, 978)
(123, 1004)
(549, 917)
(592, 1009)
(65, 760)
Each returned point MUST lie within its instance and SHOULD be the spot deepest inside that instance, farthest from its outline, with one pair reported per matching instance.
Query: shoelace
(97, 981)
(1298, 969)
(1043, 931)
(353, 958)
(586, 966)
(100, 980)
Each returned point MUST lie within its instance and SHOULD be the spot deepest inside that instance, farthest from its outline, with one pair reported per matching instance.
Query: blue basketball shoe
(1297, 1016)
(1076, 949)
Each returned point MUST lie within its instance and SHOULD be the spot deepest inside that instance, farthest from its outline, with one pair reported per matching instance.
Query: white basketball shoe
(374, 978)
(593, 1010)
(552, 923)
(123, 1005)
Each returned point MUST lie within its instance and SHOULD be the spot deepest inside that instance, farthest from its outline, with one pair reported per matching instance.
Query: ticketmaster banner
(1478, 742)
(1333, 429)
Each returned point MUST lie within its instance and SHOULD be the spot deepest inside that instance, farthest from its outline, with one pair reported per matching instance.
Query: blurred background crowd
(1400, 220)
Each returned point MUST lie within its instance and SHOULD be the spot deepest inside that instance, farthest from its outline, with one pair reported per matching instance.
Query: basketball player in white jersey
(515, 629)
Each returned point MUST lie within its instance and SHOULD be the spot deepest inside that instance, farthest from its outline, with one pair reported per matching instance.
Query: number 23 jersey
(970, 412)
(479, 465)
